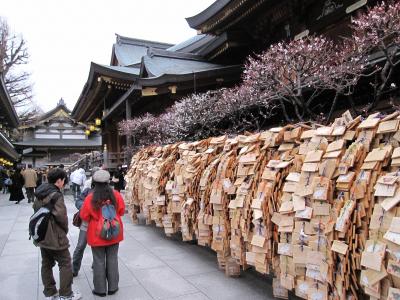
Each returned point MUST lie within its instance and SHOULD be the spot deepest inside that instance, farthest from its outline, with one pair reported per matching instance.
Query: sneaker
(54, 297)
(74, 296)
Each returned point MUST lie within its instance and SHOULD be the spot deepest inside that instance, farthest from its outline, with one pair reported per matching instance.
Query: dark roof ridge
(140, 42)
(7, 103)
(196, 20)
(151, 52)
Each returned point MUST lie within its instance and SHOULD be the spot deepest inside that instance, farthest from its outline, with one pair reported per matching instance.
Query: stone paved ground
(152, 266)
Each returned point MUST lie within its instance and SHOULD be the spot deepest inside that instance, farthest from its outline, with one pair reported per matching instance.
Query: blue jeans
(78, 253)
(76, 189)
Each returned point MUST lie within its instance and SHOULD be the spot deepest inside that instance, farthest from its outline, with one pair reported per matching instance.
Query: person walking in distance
(39, 180)
(82, 240)
(30, 178)
(17, 183)
(102, 209)
(54, 246)
(6, 180)
(78, 178)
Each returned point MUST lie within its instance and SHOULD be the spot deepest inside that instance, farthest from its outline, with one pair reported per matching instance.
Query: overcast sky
(63, 37)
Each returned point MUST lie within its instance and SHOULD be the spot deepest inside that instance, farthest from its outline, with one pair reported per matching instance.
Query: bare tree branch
(13, 56)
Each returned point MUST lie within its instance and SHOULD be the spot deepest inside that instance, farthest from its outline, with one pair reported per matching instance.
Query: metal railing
(110, 160)
(88, 161)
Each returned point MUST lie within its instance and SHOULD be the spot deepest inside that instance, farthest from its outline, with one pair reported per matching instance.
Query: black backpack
(39, 221)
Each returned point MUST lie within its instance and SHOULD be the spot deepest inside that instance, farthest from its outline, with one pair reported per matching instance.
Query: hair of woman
(102, 192)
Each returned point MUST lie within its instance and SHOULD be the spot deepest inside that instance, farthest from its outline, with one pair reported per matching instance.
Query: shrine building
(55, 138)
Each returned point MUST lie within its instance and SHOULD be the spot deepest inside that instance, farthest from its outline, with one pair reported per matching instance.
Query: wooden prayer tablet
(324, 131)
(369, 123)
(393, 294)
(376, 155)
(286, 147)
(385, 190)
(373, 255)
(349, 135)
(310, 167)
(308, 134)
(388, 126)
(335, 146)
(394, 268)
(389, 202)
(293, 176)
(339, 247)
(339, 131)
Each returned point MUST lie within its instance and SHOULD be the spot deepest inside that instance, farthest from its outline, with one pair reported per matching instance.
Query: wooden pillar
(105, 156)
(128, 115)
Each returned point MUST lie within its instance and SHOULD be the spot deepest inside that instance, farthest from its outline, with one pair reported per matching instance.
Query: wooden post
(128, 115)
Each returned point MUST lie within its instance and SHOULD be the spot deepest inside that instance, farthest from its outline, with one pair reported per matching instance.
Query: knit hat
(101, 176)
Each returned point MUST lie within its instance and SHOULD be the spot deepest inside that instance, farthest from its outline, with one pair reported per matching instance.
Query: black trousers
(30, 194)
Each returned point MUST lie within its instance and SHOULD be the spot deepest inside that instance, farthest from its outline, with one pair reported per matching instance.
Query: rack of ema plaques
(317, 207)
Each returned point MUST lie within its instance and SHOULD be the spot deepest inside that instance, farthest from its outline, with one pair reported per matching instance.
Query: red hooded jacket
(92, 216)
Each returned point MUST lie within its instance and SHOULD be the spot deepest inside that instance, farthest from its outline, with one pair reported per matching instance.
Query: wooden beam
(120, 101)
(83, 110)
(100, 103)
(149, 91)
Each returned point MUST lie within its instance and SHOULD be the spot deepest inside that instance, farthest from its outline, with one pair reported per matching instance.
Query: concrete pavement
(151, 265)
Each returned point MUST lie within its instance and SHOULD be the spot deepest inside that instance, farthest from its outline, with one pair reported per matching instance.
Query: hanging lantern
(97, 121)
(92, 127)
(87, 132)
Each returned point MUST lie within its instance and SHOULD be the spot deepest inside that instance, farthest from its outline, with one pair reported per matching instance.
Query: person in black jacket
(118, 179)
(15, 188)
(39, 180)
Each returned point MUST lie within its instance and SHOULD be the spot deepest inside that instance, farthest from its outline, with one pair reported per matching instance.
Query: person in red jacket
(104, 251)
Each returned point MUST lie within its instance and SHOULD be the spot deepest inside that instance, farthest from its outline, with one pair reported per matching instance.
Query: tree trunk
(354, 110)
(385, 75)
(284, 110)
(299, 116)
(333, 106)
